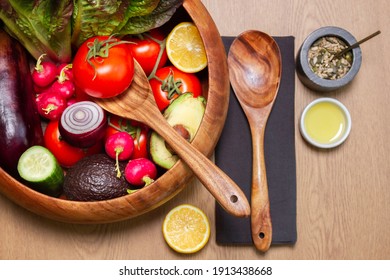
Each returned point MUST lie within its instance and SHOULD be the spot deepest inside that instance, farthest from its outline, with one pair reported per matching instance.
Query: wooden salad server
(137, 103)
(254, 70)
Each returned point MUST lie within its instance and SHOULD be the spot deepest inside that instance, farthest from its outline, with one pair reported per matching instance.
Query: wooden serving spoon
(254, 70)
(138, 103)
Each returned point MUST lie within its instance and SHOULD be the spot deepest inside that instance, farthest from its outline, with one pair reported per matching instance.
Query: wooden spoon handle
(221, 186)
(261, 225)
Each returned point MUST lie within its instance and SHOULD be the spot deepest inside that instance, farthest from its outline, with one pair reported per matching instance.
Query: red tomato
(103, 75)
(81, 95)
(146, 51)
(66, 154)
(185, 82)
(138, 131)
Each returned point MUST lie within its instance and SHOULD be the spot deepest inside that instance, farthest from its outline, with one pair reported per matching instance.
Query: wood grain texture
(137, 103)
(343, 194)
(143, 108)
(255, 69)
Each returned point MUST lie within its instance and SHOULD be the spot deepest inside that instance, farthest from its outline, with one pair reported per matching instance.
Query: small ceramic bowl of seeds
(319, 64)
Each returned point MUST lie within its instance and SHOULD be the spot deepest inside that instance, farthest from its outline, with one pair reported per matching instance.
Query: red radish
(71, 101)
(64, 85)
(83, 124)
(137, 130)
(119, 146)
(140, 172)
(67, 69)
(50, 105)
(44, 73)
(39, 90)
(66, 88)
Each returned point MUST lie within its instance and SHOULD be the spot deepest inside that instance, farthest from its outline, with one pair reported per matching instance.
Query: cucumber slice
(38, 166)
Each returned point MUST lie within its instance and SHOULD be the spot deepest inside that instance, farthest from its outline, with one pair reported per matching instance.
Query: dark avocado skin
(94, 178)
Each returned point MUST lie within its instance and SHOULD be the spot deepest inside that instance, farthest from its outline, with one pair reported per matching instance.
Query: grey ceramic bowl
(312, 80)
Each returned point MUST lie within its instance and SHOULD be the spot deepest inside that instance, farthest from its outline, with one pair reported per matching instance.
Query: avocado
(95, 178)
(184, 114)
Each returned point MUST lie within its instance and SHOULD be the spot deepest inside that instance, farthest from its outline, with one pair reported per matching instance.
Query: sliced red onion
(83, 124)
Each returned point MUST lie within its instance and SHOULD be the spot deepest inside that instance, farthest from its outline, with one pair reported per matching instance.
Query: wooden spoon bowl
(216, 90)
(255, 71)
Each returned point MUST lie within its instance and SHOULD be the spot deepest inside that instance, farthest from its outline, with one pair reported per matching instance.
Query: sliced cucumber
(38, 166)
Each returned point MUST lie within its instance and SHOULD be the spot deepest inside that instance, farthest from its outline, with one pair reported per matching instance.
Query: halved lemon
(186, 229)
(185, 48)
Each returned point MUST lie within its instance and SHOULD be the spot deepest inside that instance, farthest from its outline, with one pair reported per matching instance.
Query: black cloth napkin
(233, 154)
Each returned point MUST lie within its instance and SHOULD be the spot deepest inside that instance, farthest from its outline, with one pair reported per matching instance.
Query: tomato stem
(170, 85)
(101, 49)
(160, 54)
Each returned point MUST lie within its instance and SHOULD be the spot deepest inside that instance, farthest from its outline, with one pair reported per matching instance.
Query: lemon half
(185, 48)
(186, 229)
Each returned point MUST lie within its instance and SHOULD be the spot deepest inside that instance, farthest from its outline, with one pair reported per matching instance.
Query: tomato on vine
(148, 49)
(169, 82)
(66, 154)
(139, 133)
(103, 67)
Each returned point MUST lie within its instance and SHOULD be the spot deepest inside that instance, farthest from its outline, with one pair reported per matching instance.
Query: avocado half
(94, 178)
(187, 112)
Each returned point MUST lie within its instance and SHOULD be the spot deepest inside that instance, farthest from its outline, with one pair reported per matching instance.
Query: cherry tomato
(173, 78)
(138, 131)
(103, 68)
(146, 50)
(66, 154)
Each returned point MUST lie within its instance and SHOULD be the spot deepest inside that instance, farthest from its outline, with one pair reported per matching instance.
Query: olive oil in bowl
(325, 123)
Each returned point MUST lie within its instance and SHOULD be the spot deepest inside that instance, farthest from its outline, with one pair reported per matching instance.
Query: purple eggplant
(20, 125)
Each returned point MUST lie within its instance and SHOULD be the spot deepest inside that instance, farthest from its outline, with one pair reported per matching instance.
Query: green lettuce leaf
(57, 27)
(110, 17)
(92, 18)
(41, 26)
(159, 16)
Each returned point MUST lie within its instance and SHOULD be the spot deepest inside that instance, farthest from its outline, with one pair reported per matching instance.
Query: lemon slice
(186, 229)
(185, 48)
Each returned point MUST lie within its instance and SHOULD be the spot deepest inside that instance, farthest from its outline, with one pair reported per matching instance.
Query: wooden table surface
(343, 195)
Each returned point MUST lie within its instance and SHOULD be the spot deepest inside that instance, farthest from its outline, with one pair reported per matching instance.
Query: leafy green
(41, 26)
(108, 17)
(139, 24)
(56, 27)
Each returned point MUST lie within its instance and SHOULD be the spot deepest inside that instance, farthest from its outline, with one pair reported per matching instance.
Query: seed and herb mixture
(323, 61)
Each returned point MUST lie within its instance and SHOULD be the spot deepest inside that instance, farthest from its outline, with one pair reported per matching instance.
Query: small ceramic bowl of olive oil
(325, 123)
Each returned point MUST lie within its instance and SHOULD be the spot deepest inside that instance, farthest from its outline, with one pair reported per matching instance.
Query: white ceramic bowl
(325, 123)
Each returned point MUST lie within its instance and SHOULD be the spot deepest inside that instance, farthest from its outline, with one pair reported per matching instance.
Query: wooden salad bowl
(215, 82)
